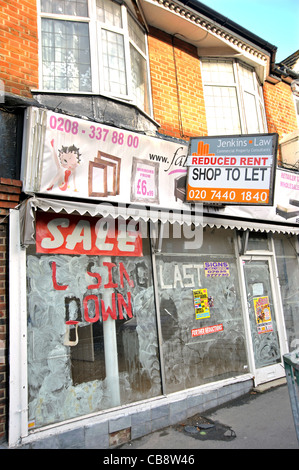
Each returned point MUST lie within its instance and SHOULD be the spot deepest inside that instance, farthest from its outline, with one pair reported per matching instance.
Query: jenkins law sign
(232, 169)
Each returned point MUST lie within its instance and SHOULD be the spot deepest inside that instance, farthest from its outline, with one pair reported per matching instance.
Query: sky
(275, 21)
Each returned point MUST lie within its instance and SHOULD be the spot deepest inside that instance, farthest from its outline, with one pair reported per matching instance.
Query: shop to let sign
(232, 169)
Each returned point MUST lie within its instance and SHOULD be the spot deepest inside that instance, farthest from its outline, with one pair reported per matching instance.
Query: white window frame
(241, 89)
(96, 62)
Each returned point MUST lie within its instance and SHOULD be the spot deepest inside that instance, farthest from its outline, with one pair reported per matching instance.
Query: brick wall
(19, 46)
(280, 108)
(10, 191)
(177, 89)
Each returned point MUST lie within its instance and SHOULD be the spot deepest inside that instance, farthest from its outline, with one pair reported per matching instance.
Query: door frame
(276, 371)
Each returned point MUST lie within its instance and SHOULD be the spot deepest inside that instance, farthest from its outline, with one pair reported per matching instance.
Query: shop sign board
(78, 235)
(232, 170)
(71, 157)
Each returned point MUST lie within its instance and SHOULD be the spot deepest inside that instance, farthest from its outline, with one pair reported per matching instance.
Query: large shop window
(200, 311)
(94, 46)
(92, 330)
(233, 98)
(286, 250)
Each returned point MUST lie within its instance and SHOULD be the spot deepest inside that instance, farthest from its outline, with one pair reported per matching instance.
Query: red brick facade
(177, 89)
(280, 109)
(19, 46)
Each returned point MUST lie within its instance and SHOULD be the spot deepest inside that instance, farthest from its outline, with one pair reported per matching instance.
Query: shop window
(286, 250)
(188, 239)
(93, 46)
(92, 334)
(233, 98)
(250, 241)
(203, 338)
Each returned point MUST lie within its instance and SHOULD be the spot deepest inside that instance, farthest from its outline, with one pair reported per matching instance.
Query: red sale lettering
(73, 235)
(56, 239)
(80, 234)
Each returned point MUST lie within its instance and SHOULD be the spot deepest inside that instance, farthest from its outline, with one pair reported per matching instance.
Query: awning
(155, 215)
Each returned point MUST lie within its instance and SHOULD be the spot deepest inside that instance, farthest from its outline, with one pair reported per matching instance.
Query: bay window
(93, 46)
(233, 98)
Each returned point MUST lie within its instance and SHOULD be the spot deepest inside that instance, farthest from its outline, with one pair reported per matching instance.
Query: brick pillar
(10, 191)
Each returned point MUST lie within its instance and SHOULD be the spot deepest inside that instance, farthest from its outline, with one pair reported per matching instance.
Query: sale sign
(232, 169)
(77, 235)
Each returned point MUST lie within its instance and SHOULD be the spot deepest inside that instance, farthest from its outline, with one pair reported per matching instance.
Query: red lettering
(109, 266)
(98, 277)
(110, 312)
(55, 285)
(122, 272)
(97, 310)
(121, 303)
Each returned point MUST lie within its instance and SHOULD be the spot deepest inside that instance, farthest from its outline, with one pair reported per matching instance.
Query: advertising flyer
(201, 304)
(262, 314)
(216, 269)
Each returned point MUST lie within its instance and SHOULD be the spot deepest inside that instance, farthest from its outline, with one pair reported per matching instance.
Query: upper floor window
(93, 46)
(233, 98)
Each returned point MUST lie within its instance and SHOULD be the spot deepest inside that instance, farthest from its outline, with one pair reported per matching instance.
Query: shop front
(130, 312)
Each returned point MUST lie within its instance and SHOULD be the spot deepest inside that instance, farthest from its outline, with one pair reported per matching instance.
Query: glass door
(265, 321)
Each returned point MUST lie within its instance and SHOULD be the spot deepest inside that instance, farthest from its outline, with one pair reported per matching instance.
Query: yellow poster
(262, 314)
(201, 304)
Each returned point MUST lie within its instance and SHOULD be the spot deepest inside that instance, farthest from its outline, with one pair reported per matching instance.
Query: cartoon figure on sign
(66, 159)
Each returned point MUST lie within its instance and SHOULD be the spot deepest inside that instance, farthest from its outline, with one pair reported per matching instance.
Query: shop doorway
(264, 318)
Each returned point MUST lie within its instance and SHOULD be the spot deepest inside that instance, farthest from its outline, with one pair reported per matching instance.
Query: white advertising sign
(232, 169)
(83, 159)
(76, 158)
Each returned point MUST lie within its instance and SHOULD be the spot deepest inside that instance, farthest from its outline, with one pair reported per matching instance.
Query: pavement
(262, 419)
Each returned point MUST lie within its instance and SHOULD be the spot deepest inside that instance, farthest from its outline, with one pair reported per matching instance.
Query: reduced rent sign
(232, 169)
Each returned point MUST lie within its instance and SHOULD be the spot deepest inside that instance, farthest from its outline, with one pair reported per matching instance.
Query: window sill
(88, 96)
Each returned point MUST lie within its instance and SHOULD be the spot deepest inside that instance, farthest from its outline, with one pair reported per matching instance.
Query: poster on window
(216, 269)
(201, 304)
(263, 314)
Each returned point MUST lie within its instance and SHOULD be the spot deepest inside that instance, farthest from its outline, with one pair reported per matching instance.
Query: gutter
(234, 27)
